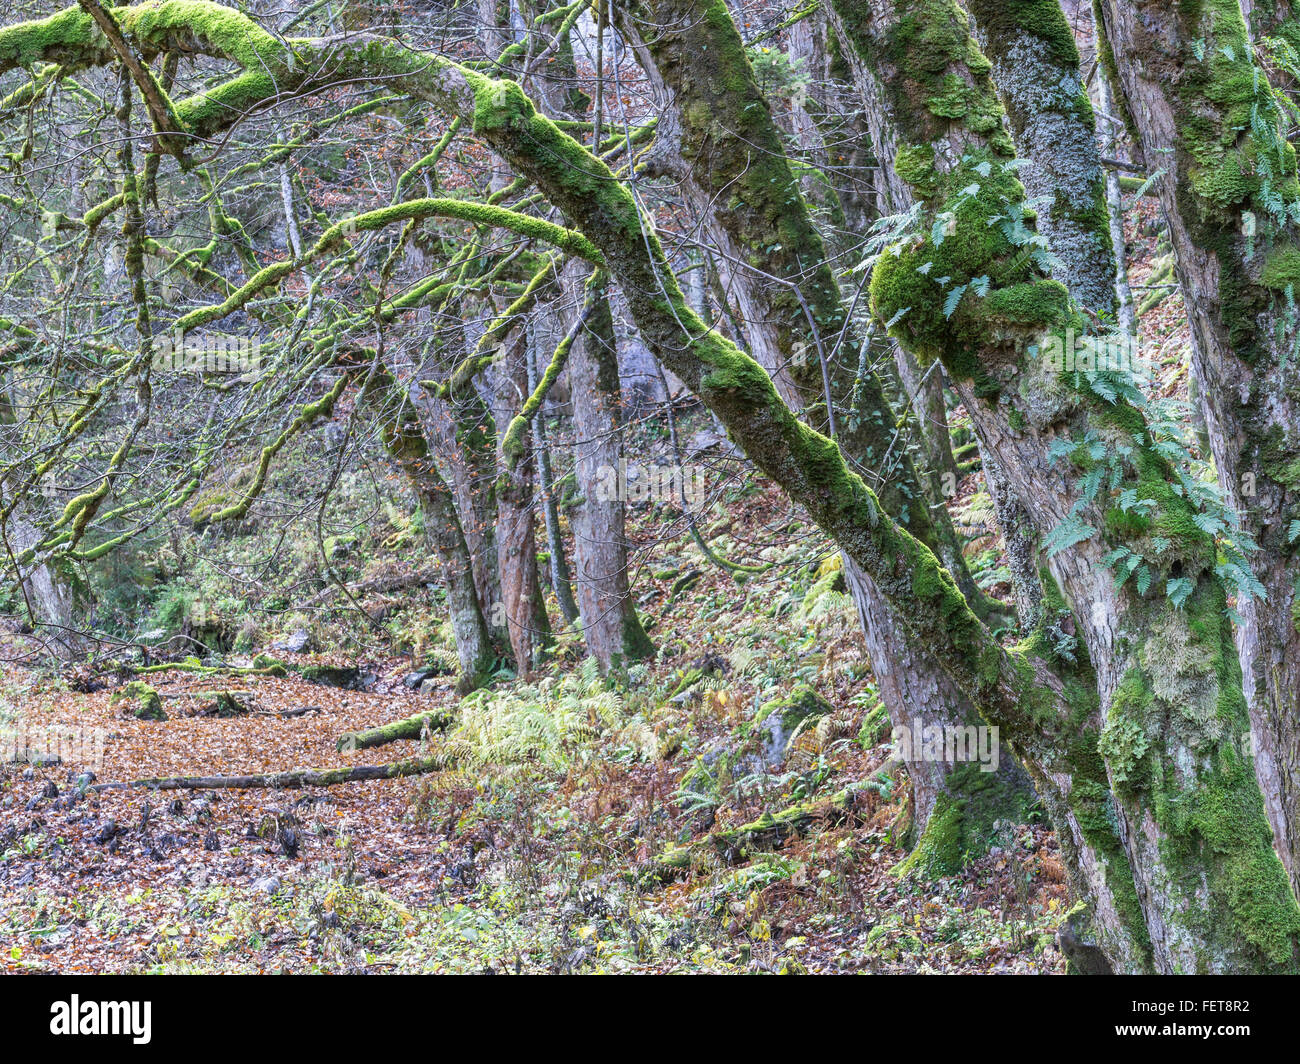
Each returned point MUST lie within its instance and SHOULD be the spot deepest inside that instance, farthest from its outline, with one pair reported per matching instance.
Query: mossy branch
(512, 443)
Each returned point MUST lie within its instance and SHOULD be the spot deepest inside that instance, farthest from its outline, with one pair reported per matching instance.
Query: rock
(722, 757)
(29, 774)
(269, 665)
(297, 642)
(416, 680)
(267, 885)
(781, 718)
(50, 790)
(211, 841)
(144, 701)
(83, 780)
(349, 677)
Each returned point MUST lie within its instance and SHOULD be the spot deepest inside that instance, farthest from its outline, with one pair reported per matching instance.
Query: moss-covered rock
(781, 718)
(143, 701)
(266, 664)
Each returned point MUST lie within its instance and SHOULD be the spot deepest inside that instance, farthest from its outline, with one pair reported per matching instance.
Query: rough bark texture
(521, 591)
(1210, 895)
(610, 625)
(1193, 105)
(406, 442)
(1036, 72)
(58, 608)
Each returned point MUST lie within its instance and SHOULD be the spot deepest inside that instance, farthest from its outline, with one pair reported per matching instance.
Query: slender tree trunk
(610, 624)
(1126, 312)
(58, 606)
(521, 593)
(406, 442)
(1036, 73)
(561, 580)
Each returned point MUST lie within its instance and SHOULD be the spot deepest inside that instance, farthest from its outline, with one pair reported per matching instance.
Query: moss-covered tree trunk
(1204, 109)
(730, 153)
(406, 441)
(1036, 73)
(1189, 814)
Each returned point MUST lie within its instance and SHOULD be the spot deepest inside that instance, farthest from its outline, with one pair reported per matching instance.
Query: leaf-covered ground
(537, 848)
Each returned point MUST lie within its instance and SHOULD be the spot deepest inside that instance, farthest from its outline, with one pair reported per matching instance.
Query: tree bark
(1171, 712)
(521, 591)
(1187, 98)
(610, 625)
(406, 442)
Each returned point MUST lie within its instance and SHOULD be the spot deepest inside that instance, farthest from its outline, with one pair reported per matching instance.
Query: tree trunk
(406, 442)
(521, 592)
(610, 625)
(1235, 261)
(561, 579)
(1171, 712)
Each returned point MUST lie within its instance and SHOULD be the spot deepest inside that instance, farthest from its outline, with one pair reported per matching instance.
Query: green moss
(939, 851)
(953, 100)
(265, 663)
(1012, 20)
(802, 703)
(911, 282)
(147, 704)
(1126, 524)
(1127, 736)
(915, 165)
(332, 675)
(1282, 269)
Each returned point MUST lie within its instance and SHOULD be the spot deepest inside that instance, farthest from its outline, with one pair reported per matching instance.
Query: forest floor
(538, 847)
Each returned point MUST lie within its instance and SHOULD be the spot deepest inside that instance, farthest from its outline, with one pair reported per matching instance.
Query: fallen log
(298, 777)
(410, 728)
